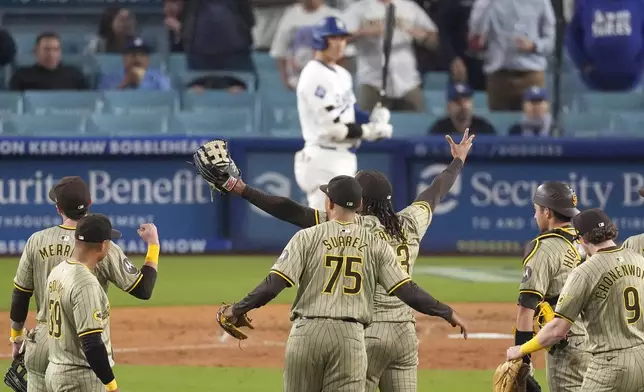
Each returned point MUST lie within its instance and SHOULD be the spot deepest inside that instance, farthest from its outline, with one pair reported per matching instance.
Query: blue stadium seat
(435, 102)
(177, 63)
(502, 121)
(411, 124)
(108, 63)
(479, 100)
(140, 102)
(215, 100)
(609, 102)
(182, 78)
(127, 125)
(279, 115)
(61, 102)
(435, 81)
(51, 125)
(587, 124)
(223, 122)
(10, 103)
(264, 62)
(271, 82)
(628, 124)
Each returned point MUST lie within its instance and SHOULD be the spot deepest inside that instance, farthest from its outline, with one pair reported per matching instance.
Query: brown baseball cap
(95, 228)
(344, 191)
(375, 185)
(591, 219)
(71, 194)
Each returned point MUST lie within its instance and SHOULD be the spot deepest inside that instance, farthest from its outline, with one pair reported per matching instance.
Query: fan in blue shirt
(135, 73)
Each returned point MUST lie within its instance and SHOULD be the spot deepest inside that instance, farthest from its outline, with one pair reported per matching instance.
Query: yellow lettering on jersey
(384, 236)
(345, 241)
(55, 250)
(570, 259)
(610, 277)
(55, 286)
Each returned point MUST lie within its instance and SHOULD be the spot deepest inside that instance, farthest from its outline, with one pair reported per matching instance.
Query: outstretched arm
(280, 207)
(263, 294)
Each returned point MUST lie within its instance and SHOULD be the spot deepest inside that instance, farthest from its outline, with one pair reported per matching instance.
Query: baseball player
(391, 340)
(605, 292)
(45, 250)
(548, 260)
(636, 242)
(336, 266)
(332, 125)
(78, 324)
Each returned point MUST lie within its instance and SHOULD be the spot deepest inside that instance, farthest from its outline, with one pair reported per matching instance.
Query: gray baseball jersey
(635, 243)
(606, 291)
(337, 266)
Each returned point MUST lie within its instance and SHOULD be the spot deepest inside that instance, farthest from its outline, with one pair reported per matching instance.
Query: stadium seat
(587, 124)
(127, 125)
(10, 103)
(479, 99)
(183, 78)
(435, 81)
(279, 115)
(108, 63)
(608, 102)
(62, 102)
(628, 124)
(271, 82)
(411, 124)
(140, 102)
(215, 100)
(177, 63)
(222, 122)
(51, 125)
(435, 102)
(502, 121)
(264, 62)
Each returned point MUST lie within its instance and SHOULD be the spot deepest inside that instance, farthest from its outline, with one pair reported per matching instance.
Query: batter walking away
(80, 350)
(636, 242)
(336, 266)
(45, 250)
(332, 124)
(606, 291)
(548, 260)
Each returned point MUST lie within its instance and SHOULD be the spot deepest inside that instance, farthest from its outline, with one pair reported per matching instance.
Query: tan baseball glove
(511, 376)
(231, 323)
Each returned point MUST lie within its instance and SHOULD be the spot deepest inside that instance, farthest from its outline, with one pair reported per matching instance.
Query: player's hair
(90, 245)
(384, 211)
(558, 217)
(47, 35)
(75, 214)
(601, 234)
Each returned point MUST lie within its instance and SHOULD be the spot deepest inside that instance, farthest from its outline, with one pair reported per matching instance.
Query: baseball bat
(390, 24)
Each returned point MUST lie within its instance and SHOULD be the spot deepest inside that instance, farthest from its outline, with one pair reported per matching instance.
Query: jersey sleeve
(537, 272)
(573, 297)
(420, 215)
(91, 310)
(290, 264)
(636, 243)
(390, 273)
(319, 96)
(119, 270)
(24, 279)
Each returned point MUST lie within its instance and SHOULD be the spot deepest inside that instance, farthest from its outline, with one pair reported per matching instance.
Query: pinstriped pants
(392, 351)
(566, 367)
(325, 355)
(616, 371)
(36, 359)
(64, 378)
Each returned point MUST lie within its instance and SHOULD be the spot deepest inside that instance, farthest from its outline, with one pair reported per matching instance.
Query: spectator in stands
(516, 37)
(135, 73)
(217, 82)
(605, 40)
(365, 19)
(465, 65)
(292, 46)
(430, 59)
(48, 73)
(460, 114)
(218, 35)
(116, 30)
(172, 10)
(8, 48)
(268, 14)
(536, 120)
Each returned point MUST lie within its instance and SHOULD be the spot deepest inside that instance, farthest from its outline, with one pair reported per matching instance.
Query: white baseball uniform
(324, 94)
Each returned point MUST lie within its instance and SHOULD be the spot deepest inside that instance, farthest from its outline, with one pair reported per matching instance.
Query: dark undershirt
(97, 358)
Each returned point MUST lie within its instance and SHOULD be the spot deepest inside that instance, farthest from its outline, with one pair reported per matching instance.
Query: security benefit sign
(489, 208)
(273, 173)
(166, 192)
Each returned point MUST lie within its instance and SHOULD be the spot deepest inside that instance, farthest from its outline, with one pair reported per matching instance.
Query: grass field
(198, 281)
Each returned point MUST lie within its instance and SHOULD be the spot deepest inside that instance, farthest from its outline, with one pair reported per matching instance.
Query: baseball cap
(535, 93)
(95, 228)
(137, 45)
(374, 184)
(590, 219)
(71, 194)
(458, 90)
(344, 191)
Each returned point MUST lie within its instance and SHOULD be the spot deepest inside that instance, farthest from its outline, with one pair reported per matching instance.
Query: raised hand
(461, 149)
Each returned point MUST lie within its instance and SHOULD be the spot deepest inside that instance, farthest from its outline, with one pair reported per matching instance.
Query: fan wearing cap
(46, 249)
(460, 114)
(636, 242)
(135, 74)
(536, 120)
(336, 266)
(80, 350)
(548, 260)
(605, 293)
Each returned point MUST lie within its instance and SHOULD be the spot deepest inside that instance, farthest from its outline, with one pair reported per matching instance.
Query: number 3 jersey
(415, 219)
(77, 306)
(606, 291)
(337, 266)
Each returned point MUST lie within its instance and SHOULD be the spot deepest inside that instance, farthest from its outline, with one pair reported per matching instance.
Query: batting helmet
(329, 27)
(557, 196)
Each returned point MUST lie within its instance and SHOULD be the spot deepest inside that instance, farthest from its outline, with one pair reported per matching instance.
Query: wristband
(531, 346)
(111, 386)
(153, 254)
(16, 333)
